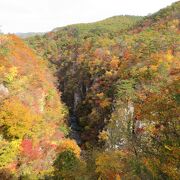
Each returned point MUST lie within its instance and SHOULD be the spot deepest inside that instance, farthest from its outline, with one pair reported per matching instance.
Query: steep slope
(32, 116)
(165, 17)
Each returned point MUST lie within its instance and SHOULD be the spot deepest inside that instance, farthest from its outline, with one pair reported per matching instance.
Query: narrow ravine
(75, 129)
(72, 100)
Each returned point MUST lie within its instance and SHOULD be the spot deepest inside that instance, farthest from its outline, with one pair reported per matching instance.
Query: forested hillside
(32, 116)
(119, 79)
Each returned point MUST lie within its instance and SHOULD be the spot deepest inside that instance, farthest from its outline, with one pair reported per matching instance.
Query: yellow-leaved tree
(16, 120)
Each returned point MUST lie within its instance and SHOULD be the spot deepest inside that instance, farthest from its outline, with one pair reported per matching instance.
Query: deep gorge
(75, 97)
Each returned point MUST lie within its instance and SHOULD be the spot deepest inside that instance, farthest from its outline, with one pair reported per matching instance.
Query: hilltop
(112, 24)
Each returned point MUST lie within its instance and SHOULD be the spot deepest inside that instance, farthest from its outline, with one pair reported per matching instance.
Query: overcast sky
(45, 15)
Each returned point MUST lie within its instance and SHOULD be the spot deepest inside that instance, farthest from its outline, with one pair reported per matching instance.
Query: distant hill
(29, 34)
(115, 23)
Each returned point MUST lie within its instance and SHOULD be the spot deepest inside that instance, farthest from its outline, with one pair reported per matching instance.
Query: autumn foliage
(30, 114)
(120, 80)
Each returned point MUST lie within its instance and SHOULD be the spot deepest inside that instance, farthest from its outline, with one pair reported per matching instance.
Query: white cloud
(44, 15)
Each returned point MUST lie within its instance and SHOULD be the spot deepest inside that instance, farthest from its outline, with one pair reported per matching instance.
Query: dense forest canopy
(115, 83)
